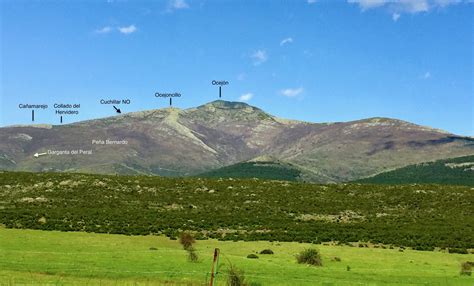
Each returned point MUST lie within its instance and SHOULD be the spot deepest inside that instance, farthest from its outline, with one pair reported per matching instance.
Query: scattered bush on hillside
(309, 256)
(235, 277)
(337, 259)
(120, 208)
(252, 256)
(466, 268)
(266, 251)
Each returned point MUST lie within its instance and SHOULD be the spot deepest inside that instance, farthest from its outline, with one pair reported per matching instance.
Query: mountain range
(183, 142)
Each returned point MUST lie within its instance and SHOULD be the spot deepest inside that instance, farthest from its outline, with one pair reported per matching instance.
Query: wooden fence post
(214, 266)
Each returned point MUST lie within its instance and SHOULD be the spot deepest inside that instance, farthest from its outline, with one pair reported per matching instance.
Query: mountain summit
(178, 142)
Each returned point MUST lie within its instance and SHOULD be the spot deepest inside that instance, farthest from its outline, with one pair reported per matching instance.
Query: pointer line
(36, 155)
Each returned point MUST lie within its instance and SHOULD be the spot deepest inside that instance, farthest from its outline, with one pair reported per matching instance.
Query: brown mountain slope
(184, 142)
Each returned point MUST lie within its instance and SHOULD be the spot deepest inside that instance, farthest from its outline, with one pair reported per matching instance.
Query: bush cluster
(235, 276)
(416, 216)
(309, 256)
(466, 268)
(266, 251)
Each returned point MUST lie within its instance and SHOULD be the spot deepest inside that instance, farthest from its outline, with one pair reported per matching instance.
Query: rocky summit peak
(232, 107)
(223, 104)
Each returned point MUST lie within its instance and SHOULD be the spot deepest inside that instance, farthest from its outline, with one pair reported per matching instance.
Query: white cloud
(259, 57)
(178, 4)
(291, 92)
(397, 7)
(411, 6)
(426, 75)
(368, 4)
(241, 76)
(444, 3)
(311, 1)
(104, 30)
(286, 41)
(127, 30)
(246, 96)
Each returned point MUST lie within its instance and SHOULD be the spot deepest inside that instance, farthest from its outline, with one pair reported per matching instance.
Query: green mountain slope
(263, 170)
(455, 171)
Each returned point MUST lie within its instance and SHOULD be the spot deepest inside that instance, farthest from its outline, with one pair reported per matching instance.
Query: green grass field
(78, 258)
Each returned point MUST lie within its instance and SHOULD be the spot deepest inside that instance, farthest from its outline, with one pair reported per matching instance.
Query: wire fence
(317, 276)
(179, 251)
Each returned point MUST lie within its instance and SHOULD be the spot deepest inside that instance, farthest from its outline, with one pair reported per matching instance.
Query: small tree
(187, 240)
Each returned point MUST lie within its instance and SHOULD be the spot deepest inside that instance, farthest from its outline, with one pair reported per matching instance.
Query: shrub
(458, 250)
(187, 240)
(235, 277)
(266, 251)
(466, 268)
(337, 259)
(252, 256)
(192, 255)
(309, 256)
(153, 248)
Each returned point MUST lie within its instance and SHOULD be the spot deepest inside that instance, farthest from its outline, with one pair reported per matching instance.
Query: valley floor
(78, 258)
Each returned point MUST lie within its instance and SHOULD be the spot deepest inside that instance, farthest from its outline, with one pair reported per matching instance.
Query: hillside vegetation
(263, 170)
(424, 217)
(455, 171)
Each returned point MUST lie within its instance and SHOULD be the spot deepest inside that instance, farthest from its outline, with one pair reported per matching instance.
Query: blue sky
(318, 61)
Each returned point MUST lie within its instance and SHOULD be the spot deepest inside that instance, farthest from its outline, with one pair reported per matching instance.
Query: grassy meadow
(79, 258)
